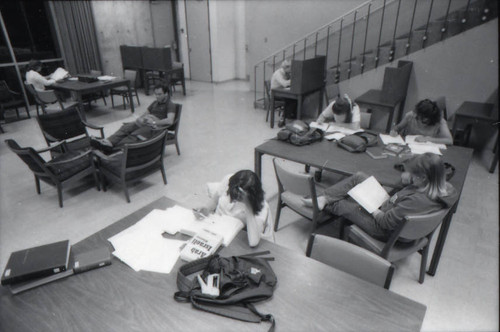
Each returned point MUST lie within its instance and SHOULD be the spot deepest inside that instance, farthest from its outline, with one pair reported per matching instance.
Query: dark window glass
(30, 30)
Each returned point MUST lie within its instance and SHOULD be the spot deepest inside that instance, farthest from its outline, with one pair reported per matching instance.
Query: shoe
(281, 123)
(99, 145)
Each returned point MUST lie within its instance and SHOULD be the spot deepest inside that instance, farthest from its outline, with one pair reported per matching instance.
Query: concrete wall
(121, 23)
(271, 25)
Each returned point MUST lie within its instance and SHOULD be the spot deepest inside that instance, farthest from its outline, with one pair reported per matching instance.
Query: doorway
(199, 44)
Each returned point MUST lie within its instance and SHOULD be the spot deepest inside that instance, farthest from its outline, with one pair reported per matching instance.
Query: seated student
(427, 122)
(343, 112)
(160, 115)
(34, 77)
(425, 191)
(281, 79)
(240, 195)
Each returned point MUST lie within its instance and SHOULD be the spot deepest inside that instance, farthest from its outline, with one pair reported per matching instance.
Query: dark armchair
(133, 162)
(69, 125)
(123, 91)
(49, 101)
(58, 172)
(10, 100)
(174, 129)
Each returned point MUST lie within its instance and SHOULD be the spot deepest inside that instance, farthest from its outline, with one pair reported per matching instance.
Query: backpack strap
(183, 283)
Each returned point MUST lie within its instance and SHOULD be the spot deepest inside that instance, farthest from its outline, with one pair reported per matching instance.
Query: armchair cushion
(294, 202)
(64, 170)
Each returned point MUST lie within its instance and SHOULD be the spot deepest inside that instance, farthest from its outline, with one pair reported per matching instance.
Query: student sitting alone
(34, 77)
(281, 79)
(160, 115)
(241, 196)
(425, 191)
(343, 112)
(427, 122)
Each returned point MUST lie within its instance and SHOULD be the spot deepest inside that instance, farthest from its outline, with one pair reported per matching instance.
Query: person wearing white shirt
(34, 77)
(343, 112)
(281, 77)
(240, 195)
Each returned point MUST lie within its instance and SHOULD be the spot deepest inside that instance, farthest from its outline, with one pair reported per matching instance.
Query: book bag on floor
(242, 281)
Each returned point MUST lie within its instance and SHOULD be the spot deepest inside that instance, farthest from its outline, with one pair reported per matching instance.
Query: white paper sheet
(423, 148)
(410, 139)
(369, 194)
(334, 136)
(387, 139)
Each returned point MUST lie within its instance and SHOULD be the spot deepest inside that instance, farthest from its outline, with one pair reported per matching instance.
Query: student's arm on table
(444, 135)
(251, 222)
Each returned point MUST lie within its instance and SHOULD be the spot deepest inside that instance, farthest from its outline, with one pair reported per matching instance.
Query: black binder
(36, 262)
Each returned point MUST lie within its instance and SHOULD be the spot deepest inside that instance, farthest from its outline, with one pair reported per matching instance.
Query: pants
(340, 204)
(130, 132)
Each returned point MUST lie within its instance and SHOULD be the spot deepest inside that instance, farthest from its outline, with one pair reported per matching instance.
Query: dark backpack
(299, 133)
(358, 142)
(243, 280)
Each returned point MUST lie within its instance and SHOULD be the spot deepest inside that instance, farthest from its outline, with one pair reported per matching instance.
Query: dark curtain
(79, 40)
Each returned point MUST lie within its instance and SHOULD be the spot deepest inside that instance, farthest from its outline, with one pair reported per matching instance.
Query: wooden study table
(310, 296)
(287, 93)
(328, 156)
(78, 89)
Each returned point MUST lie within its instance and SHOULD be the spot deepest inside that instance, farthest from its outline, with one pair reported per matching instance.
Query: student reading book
(425, 191)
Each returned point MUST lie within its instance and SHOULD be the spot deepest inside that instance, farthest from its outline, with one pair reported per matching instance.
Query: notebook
(36, 262)
(369, 194)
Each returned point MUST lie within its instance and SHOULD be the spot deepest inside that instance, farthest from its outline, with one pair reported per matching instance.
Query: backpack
(299, 133)
(358, 142)
(242, 281)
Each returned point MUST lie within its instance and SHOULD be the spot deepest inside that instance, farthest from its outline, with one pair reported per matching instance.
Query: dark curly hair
(428, 112)
(249, 182)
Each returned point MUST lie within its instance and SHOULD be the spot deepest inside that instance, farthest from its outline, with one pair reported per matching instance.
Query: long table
(310, 296)
(78, 89)
(328, 156)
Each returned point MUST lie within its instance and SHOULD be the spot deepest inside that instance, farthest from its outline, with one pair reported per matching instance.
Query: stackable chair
(58, 172)
(173, 130)
(414, 234)
(67, 125)
(49, 101)
(278, 104)
(351, 259)
(292, 186)
(122, 91)
(94, 96)
(133, 162)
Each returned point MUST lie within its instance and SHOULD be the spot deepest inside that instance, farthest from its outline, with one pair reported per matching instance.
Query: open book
(369, 194)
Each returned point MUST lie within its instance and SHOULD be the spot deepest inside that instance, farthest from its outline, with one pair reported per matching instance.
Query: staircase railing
(375, 33)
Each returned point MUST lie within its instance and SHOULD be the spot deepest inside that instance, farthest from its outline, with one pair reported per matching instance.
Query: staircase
(376, 33)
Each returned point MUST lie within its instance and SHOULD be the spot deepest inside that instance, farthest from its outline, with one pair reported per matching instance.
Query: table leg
(258, 163)
(389, 121)
(438, 249)
(131, 99)
(299, 107)
(78, 98)
(272, 111)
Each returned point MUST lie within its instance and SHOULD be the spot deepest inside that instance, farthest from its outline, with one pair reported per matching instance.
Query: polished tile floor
(218, 131)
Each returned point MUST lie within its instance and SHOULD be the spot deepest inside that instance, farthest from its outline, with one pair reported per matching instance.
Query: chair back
(130, 75)
(144, 155)
(31, 90)
(365, 120)
(61, 125)
(419, 226)
(299, 184)
(177, 118)
(351, 259)
(267, 87)
(30, 158)
(395, 84)
(5, 94)
(441, 103)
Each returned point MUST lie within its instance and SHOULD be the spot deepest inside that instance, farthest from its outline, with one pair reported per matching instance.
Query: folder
(36, 262)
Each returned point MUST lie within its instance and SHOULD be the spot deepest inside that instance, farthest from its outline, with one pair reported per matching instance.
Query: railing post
(337, 74)
(254, 85)
(410, 32)
(380, 35)
(263, 80)
(366, 37)
(445, 25)
(293, 55)
(424, 38)
(316, 45)
(305, 43)
(466, 16)
(327, 40)
(352, 45)
(274, 62)
(393, 46)
(284, 55)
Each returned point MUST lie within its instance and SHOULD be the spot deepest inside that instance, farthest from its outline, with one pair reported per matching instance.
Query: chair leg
(124, 104)
(278, 212)
(423, 263)
(137, 97)
(27, 112)
(37, 184)
(163, 174)
(310, 245)
(112, 101)
(60, 195)
(177, 147)
(125, 191)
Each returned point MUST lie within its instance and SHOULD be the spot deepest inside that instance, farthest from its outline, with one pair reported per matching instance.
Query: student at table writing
(427, 122)
(160, 115)
(425, 191)
(281, 79)
(343, 112)
(240, 195)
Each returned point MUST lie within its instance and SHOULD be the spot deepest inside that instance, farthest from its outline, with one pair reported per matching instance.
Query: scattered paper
(334, 136)
(387, 139)
(369, 194)
(410, 139)
(323, 126)
(417, 148)
(106, 78)
(59, 74)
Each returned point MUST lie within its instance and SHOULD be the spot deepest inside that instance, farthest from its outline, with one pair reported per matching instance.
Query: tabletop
(77, 86)
(309, 296)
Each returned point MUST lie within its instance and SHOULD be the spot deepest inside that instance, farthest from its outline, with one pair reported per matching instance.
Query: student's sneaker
(101, 145)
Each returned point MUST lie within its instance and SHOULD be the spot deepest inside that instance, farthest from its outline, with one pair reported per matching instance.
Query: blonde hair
(431, 167)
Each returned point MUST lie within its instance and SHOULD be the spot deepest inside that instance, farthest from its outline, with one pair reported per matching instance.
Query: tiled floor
(219, 129)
